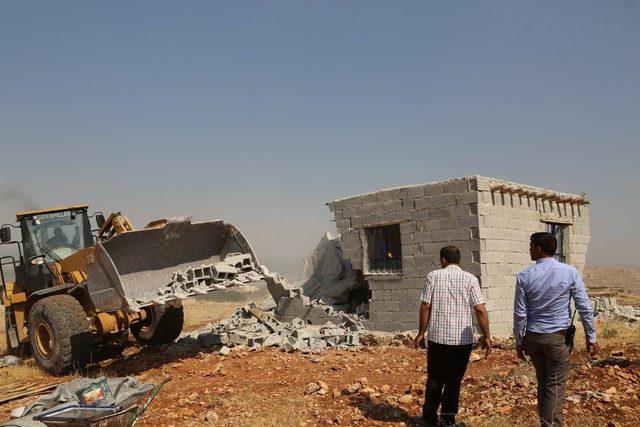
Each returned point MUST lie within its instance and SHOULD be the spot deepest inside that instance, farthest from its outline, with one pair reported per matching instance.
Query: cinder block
(423, 261)
(392, 205)
(467, 197)
(423, 203)
(343, 224)
(456, 186)
(399, 294)
(354, 202)
(404, 316)
(408, 250)
(368, 199)
(481, 184)
(433, 190)
(408, 227)
(385, 195)
(413, 191)
(392, 305)
(380, 316)
(423, 236)
(403, 215)
(439, 212)
(412, 306)
(444, 200)
(430, 225)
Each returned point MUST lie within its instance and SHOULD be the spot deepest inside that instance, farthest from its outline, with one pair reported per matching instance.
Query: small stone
(474, 357)
(385, 388)
(211, 416)
(351, 388)
(523, 381)
(9, 361)
(572, 399)
(367, 391)
(224, 351)
(405, 398)
(312, 388)
(611, 390)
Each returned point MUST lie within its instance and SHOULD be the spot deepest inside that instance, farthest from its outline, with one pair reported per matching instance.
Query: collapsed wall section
(508, 214)
(425, 217)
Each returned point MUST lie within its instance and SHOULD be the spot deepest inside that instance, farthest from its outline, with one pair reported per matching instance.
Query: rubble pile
(234, 270)
(255, 328)
(607, 307)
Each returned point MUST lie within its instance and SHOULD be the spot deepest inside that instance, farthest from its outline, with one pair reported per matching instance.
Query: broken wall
(328, 276)
(429, 216)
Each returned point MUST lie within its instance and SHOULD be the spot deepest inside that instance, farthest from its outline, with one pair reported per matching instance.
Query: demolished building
(392, 238)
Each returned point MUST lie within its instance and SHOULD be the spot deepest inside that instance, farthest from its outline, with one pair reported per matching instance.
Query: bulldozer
(75, 287)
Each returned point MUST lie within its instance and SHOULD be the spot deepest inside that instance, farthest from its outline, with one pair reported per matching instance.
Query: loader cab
(49, 236)
(55, 235)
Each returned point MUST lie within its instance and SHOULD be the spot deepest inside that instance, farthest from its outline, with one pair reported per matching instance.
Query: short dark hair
(451, 254)
(545, 241)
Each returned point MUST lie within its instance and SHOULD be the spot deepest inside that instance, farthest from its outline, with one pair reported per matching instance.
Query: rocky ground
(378, 384)
(381, 384)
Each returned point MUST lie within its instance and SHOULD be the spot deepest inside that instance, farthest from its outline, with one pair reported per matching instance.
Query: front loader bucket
(175, 260)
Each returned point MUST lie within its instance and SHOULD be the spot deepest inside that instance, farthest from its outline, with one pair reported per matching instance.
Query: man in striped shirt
(449, 298)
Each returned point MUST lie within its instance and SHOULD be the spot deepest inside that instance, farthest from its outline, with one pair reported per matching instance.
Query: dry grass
(258, 409)
(28, 370)
(625, 333)
(197, 313)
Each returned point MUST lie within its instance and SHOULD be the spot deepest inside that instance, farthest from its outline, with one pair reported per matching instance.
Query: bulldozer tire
(60, 334)
(163, 327)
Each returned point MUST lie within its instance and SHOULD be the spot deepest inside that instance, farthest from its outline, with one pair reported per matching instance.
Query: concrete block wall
(506, 223)
(429, 216)
(491, 228)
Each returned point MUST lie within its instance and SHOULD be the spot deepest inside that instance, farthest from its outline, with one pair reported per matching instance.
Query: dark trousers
(550, 356)
(446, 365)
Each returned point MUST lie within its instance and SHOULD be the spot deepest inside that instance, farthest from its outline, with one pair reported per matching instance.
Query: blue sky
(260, 112)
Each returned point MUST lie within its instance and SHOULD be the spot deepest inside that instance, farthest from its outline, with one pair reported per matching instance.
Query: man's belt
(562, 332)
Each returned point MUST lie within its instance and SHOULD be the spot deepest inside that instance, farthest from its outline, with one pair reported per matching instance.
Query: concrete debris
(277, 286)
(314, 312)
(328, 275)
(254, 328)
(9, 361)
(233, 271)
(607, 307)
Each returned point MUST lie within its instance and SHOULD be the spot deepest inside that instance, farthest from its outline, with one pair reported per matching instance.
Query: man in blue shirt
(541, 317)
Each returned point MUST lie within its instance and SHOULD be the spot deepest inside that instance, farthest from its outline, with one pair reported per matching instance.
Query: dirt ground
(382, 384)
(268, 387)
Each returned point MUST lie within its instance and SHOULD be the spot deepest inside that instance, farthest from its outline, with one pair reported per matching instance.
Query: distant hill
(621, 282)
